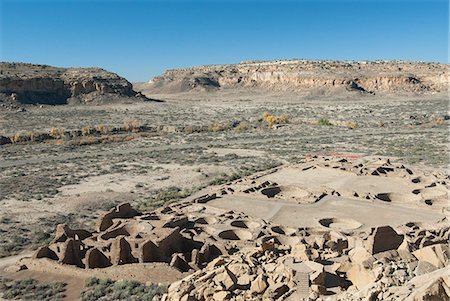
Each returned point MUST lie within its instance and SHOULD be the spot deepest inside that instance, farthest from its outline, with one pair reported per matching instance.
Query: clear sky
(141, 39)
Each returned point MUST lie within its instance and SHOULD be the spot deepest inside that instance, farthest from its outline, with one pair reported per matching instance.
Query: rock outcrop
(41, 84)
(384, 77)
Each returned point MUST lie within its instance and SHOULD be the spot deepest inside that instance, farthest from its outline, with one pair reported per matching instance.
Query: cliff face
(303, 75)
(27, 83)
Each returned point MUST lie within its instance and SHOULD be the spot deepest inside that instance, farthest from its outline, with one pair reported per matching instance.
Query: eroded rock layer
(31, 84)
(305, 75)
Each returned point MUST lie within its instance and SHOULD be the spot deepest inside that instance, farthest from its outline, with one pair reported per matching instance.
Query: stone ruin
(230, 256)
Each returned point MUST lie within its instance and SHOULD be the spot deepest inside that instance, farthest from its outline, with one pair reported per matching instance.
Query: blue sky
(141, 39)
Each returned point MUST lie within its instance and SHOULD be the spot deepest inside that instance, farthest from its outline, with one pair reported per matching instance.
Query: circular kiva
(340, 223)
(236, 234)
(244, 224)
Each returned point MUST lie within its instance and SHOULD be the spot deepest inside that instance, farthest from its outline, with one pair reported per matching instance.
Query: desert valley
(263, 180)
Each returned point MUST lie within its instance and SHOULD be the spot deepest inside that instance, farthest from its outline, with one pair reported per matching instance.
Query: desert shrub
(284, 118)
(20, 137)
(103, 129)
(218, 127)
(57, 133)
(34, 136)
(30, 289)
(132, 125)
(189, 129)
(324, 121)
(438, 120)
(351, 125)
(87, 131)
(226, 178)
(242, 126)
(162, 197)
(106, 289)
(269, 119)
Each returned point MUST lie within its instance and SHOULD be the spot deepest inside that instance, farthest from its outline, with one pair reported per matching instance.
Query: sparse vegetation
(19, 137)
(103, 129)
(31, 289)
(87, 131)
(171, 194)
(132, 125)
(324, 121)
(56, 133)
(351, 125)
(242, 126)
(271, 120)
(106, 289)
(284, 118)
(218, 127)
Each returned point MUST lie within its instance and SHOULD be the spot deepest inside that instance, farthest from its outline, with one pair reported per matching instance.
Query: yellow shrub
(33, 136)
(439, 120)
(284, 119)
(102, 129)
(271, 120)
(19, 137)
(56, 133)
(352, 125)
(86, 131)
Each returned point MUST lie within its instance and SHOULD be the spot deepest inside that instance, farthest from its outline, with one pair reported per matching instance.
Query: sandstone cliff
(31, 84)
(377, 77)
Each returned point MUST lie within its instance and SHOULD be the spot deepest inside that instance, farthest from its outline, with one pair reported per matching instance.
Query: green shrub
(324, 121)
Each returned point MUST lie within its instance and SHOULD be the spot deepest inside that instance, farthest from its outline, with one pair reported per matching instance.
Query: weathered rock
(277, 290)
(436, 290)
(259, 285)
(360, 276)
(359, 255)
(221, 296)
(228, 280)
(383, 239)
(423, 267)
(437, 255)
(180, 263)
